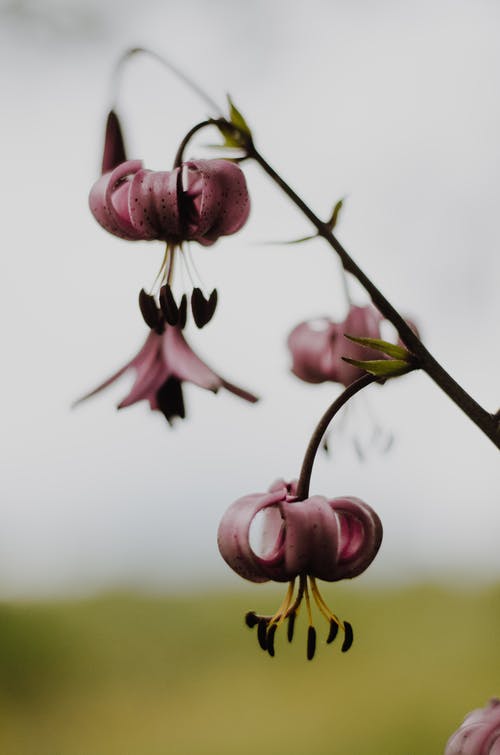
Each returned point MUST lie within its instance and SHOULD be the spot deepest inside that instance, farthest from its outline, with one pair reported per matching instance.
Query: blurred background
(120, 626)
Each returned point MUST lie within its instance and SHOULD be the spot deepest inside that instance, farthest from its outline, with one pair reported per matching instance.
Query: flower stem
(192, 85)
(322, 427)
(487, 422)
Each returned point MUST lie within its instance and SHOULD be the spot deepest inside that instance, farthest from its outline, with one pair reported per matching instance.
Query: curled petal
(330, 540)
(109, 210)
(312, 346)
(233, 536)
(479, 734)
(312, 538)
(360, 536)
(317, 346)
(219, 199)
(153, 205)
(198, 201)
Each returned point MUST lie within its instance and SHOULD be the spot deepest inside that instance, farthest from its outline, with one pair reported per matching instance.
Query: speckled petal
(101, 201)
(219, 199)
(311, 536)
(479, 734)
(153, 205)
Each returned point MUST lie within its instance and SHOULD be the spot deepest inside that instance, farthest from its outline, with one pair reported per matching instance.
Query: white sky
(395, 104)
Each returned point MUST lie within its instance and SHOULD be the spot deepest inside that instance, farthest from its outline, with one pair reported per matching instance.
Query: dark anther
(182, 312)
(262, 633)
(168, 305)
(150, 311)
(290, 626)
(251, 619)
(270, 639)
(211, 304)
(203, 309)
(349, 636)
(311, 643)
(334, 628)
(198, 307)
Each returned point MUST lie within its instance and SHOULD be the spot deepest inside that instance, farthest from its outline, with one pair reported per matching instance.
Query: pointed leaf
(237, 119)
(332, 222)
(384, 368)
(391, 349)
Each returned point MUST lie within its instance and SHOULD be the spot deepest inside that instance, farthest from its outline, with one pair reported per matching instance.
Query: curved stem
(487, 422)
(172, 68)
(182, 146)
(322, 427)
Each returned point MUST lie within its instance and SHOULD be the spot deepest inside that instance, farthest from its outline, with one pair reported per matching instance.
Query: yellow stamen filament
(329, 616)
(167, 267)
(308, 605)
(282, 611)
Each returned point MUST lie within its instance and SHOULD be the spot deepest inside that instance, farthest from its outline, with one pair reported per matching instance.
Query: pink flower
(163, 363)
(479, 734)
(200, 200)
(317, 346)
(313, 538)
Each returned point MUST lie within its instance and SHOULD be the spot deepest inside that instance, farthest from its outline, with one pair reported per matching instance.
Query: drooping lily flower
(315, 538)
(479, 734)
(163, 363)
(200, 200)
(317, 346)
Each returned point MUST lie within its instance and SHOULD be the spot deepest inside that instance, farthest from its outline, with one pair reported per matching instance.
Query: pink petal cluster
(199, 201)
(163, 363)
(479, 734)
(317, 346)
(329, 539)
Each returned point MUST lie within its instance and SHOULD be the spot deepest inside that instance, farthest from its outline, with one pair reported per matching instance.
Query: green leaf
(237, 119)
(384, 368)
(391, 349)
(332, 222)
(231, 139)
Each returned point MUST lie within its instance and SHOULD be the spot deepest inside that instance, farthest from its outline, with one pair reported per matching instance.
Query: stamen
(329, 616)
(182, 312)
(334, 628)
(262, 633)
(168, 305)
(311, 643)
(291, 626)
(161, 272)
(251, 619)
(349, 636)
(270, 639)
(150, 312)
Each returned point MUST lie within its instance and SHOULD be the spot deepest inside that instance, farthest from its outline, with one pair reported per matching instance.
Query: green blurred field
(131, 675)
